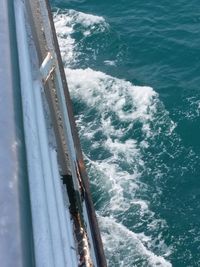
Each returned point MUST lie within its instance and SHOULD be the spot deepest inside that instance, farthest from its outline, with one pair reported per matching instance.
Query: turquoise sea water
(133, 69)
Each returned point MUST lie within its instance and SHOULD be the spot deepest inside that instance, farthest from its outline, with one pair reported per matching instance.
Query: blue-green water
(133, 69)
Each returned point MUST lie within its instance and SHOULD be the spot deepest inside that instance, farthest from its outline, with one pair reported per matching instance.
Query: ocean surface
(133, 70)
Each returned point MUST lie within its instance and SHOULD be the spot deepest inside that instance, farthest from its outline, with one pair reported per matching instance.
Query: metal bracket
(47, 67)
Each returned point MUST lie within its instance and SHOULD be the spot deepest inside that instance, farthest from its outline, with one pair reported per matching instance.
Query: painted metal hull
(46, 211)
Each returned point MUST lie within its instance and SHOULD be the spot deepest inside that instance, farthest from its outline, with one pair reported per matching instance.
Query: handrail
(99, 252)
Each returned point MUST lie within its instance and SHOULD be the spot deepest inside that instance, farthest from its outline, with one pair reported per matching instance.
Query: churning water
(134, 76)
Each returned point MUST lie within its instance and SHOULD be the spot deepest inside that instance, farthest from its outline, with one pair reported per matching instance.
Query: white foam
(120, 241)
(64, 29)
(109, 95)
(110, 62)
(66, 23)
(128, 149)
(112, 181)
(86, 20)
(73, 17)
